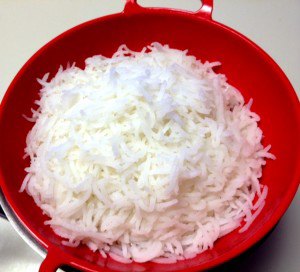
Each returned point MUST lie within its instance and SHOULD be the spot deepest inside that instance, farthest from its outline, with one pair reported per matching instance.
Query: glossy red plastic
(247, 67)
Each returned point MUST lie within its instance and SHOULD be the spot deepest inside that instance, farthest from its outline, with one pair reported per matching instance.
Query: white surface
(273, 24)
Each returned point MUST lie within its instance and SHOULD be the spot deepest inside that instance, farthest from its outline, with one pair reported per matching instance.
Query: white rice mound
(144, 156)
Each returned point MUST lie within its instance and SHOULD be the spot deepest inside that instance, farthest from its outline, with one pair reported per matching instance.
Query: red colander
(247, 67)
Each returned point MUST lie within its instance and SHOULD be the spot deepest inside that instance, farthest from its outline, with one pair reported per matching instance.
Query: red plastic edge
(132, 7)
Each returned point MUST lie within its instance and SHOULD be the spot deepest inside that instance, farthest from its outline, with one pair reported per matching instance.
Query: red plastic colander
(247, 67)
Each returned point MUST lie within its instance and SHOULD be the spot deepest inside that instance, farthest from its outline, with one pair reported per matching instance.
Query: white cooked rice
(145, 155)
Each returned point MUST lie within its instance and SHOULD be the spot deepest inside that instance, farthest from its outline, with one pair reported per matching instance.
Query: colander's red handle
(205, 11)
(55, 259)
(52, 261)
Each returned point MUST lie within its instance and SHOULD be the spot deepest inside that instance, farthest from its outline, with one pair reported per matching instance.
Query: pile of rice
(144, 156)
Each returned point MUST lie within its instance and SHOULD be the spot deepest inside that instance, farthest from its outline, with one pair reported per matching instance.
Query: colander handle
(132, 7)
(52, 261)
(56, 259)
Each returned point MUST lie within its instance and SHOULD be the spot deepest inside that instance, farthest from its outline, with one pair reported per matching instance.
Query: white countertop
(273, 24)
